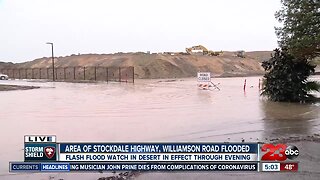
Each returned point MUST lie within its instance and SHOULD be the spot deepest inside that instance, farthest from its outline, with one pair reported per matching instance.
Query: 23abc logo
(279, 152)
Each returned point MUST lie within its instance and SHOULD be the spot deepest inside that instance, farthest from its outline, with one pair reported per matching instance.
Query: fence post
(107, 75)
(132, 74)
(56, 73)
(64, 73)
(95, 73)
(84, 73)
(119, 74)
(74, 73)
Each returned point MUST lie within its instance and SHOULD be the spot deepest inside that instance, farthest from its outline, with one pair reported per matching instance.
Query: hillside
(158, 65)
(163, 65)
(260, 55)
(5, 65)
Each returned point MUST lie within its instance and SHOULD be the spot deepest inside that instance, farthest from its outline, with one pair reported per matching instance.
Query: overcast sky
(108, 26)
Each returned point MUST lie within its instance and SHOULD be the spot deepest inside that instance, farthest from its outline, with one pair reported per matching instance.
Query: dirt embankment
(162, 65)
(158, 65)
(5, 65)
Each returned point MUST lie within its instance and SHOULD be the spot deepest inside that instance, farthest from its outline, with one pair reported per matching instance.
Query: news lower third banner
(157, 152)
(45, 154)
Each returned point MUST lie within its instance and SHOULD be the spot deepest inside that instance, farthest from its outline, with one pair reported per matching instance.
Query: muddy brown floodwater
(148, 111)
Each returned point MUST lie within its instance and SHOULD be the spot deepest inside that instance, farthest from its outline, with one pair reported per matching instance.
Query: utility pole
(53, 74)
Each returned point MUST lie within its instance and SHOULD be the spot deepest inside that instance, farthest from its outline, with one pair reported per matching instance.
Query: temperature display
(289, 167)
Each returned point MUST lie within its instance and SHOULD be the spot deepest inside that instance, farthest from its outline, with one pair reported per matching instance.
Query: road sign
(204, 77)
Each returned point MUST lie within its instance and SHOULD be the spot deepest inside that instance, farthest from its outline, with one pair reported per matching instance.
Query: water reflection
(204, 97)
(289, 119)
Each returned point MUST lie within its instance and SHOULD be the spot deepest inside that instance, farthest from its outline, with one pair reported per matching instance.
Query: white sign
(204, 77)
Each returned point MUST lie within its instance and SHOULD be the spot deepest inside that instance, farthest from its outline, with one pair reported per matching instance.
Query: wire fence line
(93, 73)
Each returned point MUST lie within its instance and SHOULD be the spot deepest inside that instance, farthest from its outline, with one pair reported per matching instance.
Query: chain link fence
(78, 73)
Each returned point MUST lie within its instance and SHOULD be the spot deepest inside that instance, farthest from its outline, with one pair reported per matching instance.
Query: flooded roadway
(149, 110)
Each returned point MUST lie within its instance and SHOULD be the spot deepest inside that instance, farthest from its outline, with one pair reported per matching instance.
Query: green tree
(300, 33)
(299, 39)
(287, 78)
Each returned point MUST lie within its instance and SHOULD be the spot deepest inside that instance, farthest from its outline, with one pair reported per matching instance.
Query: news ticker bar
(152, 167)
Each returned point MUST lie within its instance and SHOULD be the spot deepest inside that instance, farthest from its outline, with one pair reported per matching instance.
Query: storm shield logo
(49, 151)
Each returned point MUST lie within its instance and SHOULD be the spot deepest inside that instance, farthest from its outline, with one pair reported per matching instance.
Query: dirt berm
(158, 65)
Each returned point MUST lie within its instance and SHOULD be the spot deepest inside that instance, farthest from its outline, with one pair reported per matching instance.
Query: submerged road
(154, 110)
